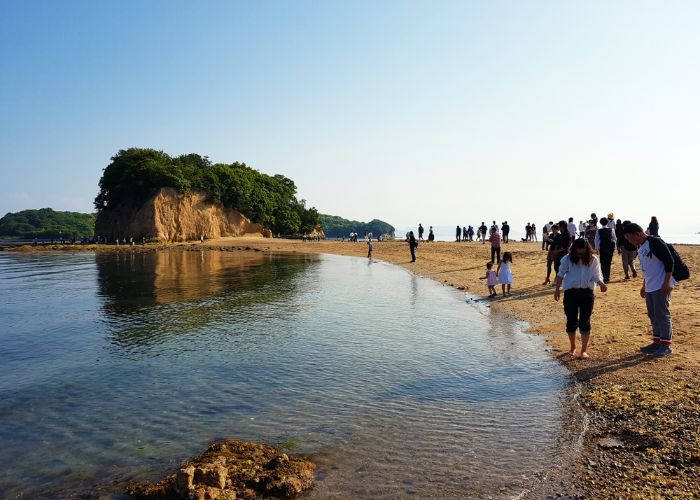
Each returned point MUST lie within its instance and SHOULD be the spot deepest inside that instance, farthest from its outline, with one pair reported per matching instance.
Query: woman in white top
(579, 271)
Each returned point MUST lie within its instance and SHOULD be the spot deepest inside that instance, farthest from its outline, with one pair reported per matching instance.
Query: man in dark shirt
(562, 242)
(505, 230)
(605, 246)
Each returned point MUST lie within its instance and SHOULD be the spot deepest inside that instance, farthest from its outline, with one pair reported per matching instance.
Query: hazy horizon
(441, 112)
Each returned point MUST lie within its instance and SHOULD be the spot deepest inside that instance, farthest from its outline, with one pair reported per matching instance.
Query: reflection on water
(150, 300)
(115, 367)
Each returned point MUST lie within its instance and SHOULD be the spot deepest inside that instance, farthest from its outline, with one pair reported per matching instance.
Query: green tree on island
(47, 223)
(334, 226)
(136, 174)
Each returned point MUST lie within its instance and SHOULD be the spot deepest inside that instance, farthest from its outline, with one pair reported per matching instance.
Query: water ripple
(119, 366)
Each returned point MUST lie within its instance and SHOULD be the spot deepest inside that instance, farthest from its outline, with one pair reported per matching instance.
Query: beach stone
(184, 480)
(610, 442)
(211, 475)
(206, 493)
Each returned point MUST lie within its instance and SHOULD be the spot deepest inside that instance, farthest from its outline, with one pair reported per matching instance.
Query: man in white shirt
(581, 229)
(611, 221)
(572, 228)
(657, 264)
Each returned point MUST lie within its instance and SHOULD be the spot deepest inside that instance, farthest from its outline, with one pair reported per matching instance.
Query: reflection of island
(150, 297)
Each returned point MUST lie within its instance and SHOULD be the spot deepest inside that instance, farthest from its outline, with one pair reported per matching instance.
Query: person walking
(571, 226)
(657, 265)
(619, 235)
(465, 235)
(470, 233)
(420, 232)
(591, 230)
(495, 240)
(482, 230)
(611, 221)
(562, 242)
(505, 273)
(545, 237)
(505, 230)
(491, 279)
(605, 246)
(412, 245)
(628, 252)
(551, 240)
(653, 228)
(579, 273)
(458, 233)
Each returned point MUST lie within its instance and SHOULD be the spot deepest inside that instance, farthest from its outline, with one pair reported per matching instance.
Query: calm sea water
(116, 367)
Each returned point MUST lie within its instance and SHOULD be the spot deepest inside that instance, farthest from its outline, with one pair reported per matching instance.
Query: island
(46, 223)
(148, 194)
(335, 227)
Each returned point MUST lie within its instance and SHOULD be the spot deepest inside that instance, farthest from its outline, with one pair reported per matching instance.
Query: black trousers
(578, 307)
(606, 257)
(496, 254)
(413, 252)
(557, 261)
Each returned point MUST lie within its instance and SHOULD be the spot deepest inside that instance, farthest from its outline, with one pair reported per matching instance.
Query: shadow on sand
(595, 368)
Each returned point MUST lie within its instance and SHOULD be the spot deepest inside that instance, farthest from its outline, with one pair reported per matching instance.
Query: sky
(437, 112)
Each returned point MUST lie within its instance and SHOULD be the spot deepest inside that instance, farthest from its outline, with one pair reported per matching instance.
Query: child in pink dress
(491, 279)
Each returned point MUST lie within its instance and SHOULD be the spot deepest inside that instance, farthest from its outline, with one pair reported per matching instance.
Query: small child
(505, 275)
(491, 279)
(370, 247)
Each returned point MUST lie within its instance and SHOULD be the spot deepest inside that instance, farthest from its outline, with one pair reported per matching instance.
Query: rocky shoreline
(231, 470)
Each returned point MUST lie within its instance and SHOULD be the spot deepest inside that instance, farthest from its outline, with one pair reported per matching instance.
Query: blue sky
(439, 112)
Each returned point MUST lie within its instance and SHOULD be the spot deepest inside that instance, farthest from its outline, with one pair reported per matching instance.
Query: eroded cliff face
(173, 216)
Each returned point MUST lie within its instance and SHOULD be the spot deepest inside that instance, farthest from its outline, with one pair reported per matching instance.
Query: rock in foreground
(234, 469)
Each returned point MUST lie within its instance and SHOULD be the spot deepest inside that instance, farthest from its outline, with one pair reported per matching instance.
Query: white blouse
(580, 275)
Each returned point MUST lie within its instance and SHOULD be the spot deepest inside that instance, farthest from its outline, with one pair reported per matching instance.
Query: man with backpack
(662, 268)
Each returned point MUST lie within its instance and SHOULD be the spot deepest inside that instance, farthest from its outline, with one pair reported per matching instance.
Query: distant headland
(148, 195)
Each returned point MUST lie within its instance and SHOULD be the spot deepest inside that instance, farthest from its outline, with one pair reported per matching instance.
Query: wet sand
(644, 435)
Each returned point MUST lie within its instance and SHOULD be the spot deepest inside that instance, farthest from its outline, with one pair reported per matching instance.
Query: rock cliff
(174, 216)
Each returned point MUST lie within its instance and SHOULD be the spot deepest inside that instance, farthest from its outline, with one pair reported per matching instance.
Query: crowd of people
(95, 240)
(581, 257)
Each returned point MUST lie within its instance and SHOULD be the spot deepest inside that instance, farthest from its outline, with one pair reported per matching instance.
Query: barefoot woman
(580, 273)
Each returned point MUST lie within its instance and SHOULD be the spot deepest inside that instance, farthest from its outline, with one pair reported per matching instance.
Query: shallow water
(116, 367)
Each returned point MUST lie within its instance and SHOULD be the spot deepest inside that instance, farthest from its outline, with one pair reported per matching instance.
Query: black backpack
(680, 268)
